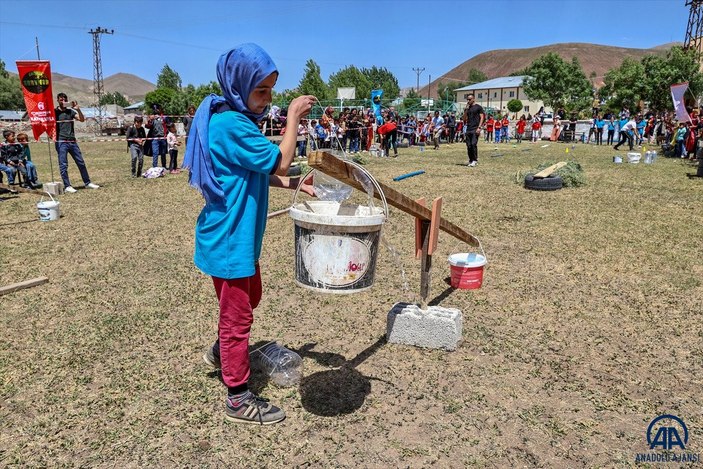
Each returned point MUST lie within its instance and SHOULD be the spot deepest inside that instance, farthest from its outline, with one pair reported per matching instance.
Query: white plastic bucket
(634, 158)
(336, 245)
(617, 159)
(49, 210)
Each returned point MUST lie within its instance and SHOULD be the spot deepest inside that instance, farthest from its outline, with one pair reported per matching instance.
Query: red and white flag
(35, 78)
(677, 92)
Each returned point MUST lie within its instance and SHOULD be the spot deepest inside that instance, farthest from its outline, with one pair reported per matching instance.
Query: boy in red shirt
(384, 131)
(489, 128)
(498, 125)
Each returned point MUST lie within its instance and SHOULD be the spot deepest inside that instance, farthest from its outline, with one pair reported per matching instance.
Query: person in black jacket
(135, 141)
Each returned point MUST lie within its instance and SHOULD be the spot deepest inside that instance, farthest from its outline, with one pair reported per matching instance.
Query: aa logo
(35, 82)
(667, 432)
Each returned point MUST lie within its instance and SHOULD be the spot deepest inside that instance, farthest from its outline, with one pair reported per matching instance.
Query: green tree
(624, 86)
(514, 105)
(11, 97)
(284, 97)
(350, 77)
(168, 78)
(312, 82)
(114, 98)
(558, 83)
(171, 101)
(411, 101)
(193, 95)
(380, 78)
(660, 73)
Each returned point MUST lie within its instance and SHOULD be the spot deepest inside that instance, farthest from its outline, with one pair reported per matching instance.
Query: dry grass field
(589, 324)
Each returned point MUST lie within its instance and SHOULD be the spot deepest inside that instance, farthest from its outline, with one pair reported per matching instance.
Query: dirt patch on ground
(588, 325)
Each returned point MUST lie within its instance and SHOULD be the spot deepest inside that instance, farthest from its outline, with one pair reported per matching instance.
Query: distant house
(494, 95)
(13, 116)
(135, 109)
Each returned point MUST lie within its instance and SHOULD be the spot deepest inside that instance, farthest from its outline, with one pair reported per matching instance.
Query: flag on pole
(35, 78)
(677, 92)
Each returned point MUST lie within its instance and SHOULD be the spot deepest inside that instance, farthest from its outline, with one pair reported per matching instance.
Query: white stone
(435, 327)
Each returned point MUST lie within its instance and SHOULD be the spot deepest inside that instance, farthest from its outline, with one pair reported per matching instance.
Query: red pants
(238, 298)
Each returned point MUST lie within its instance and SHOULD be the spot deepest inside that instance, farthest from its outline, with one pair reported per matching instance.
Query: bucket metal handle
(360, 168)
(480, 246)
(49, 194)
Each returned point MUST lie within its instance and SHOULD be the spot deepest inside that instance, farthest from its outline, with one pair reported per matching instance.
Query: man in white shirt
(437, 128)
(627, 132)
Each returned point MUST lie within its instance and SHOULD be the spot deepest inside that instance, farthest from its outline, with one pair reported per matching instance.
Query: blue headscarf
(239, 71)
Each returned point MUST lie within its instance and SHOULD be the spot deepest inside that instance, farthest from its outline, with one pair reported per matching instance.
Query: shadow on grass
(442, 296)
(340, 391)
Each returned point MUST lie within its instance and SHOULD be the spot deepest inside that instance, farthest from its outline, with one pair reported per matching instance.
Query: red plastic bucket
(466, 270)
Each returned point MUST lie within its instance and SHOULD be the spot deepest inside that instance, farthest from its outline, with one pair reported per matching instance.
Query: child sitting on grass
(23, 139)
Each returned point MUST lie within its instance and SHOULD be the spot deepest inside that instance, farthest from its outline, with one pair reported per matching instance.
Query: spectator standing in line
(680, 150)
(173, 144)
(451, 126)
(233, 165)
(303, 144)
(498, 128)
(188, 121)
(600, 123)
(136, 136)
(505, 129)
(437, 129)
(66, 142)
(489, 128)
(556, 128)
(157, 128)
(611, 131)
(474, 117)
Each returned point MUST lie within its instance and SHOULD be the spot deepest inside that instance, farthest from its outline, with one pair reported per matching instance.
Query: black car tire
(551, 183)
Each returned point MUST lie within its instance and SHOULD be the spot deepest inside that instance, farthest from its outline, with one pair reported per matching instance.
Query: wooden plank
(21, 189)
(341, 170)
(434, 225)
(22, 285)
(418, 230)
(277, 213)
(546, 172)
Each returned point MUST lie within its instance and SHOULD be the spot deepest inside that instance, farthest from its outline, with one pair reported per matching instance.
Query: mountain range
(595, 61)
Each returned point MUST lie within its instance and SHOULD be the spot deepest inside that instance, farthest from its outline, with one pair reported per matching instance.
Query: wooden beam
(22, 285)
(434, 225)
(425, 264)
(546, 172)
(418, 230)
(277, 213)
(343, 171)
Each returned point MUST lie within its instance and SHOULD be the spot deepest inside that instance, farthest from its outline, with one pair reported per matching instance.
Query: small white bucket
(49, 210)
(633, 157)
(617, 159)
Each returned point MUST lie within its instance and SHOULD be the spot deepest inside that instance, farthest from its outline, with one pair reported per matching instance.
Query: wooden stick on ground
(341, 170)
(22, 285)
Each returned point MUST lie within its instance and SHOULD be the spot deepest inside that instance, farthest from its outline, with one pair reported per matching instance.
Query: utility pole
(418, 70)
(98, 70)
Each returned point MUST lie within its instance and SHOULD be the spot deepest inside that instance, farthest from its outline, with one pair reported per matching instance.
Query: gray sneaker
(211, 359)
(253, 409)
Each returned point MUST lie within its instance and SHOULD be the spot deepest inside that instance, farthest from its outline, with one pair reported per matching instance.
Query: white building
(493, 95)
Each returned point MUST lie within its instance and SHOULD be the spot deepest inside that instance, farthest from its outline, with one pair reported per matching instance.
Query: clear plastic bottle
(284, 367)
(330, 189)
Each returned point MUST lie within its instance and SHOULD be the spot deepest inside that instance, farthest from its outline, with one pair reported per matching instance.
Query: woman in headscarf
(232, 164)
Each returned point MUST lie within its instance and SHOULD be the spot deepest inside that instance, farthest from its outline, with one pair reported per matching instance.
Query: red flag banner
(677, 92)
(35, 78)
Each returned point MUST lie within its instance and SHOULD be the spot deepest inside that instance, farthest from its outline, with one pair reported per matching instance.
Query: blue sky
(434, 35)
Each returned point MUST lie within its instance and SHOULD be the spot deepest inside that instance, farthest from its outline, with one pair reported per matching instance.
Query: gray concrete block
(435, 327)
